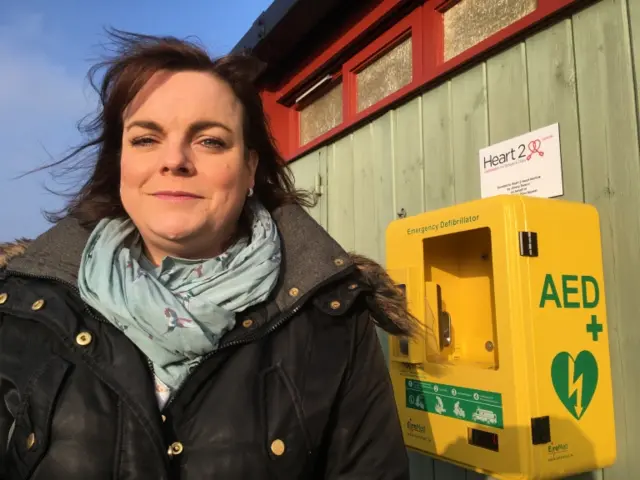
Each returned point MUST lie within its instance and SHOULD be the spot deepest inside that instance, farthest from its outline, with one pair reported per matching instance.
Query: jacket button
(37, 305)
(31, 440)
(84, 338)
(353, 286)
(175, 448)
(294, 292)
(3, 298)
(247, 323)
(335, 305)
(339, 262)
(164, 418)
(277, 447)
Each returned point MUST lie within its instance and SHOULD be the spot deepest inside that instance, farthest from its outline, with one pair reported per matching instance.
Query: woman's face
(185, 173)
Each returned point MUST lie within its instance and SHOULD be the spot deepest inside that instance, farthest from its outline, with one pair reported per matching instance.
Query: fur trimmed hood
(389, 307)
(11, 250)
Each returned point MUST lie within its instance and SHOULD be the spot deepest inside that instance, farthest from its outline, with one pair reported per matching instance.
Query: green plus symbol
(594, 328)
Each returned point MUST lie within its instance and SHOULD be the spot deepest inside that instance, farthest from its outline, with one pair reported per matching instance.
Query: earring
(250, 194)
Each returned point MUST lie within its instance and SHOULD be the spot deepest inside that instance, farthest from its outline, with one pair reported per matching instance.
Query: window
(385, 75)
(374, 75)
(392, 50)
(468, 22)
(321, 115)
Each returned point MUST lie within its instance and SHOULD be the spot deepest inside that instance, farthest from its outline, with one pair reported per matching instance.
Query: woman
(185, 318)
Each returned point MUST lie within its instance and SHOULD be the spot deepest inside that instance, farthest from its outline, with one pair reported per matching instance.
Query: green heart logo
(575, 381)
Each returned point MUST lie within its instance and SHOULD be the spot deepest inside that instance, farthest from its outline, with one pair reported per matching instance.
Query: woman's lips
(176, 196)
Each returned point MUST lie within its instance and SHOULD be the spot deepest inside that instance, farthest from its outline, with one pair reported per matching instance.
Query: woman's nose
(177, 159)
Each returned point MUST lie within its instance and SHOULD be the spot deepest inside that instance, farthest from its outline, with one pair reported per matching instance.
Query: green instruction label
(476, 406)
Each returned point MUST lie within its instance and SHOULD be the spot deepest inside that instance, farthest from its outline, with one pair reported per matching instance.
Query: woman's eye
(142, 142)
(213, 143)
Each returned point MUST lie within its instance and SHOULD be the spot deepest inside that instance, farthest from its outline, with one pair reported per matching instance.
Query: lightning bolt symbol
(575, 386)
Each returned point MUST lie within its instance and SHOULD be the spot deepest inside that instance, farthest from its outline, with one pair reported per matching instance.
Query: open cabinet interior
(460, 323)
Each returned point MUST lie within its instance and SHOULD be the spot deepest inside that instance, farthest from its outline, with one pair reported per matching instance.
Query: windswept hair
(134, 59)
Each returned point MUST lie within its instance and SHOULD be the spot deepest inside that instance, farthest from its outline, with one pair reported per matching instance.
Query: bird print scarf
(177, 312)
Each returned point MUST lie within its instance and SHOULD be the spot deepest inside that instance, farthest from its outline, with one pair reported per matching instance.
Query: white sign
(526, 165)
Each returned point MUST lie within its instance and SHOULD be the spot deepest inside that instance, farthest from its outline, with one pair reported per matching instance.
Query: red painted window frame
(410, 25)
(426, 25)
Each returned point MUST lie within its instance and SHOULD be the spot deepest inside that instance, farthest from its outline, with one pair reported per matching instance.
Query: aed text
(577, 292)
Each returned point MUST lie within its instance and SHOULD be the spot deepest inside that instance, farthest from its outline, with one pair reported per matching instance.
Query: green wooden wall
(580, 72)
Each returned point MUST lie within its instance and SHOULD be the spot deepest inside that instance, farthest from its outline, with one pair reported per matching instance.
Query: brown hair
(136, 59)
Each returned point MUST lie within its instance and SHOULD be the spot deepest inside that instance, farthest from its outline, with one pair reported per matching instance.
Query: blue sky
(46, 48)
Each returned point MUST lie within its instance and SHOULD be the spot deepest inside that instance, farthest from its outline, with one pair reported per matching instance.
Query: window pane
(471, 21)
(386, 75)
(322, 115)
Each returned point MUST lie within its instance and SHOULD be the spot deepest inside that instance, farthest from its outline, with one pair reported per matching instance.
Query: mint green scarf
(176, 313)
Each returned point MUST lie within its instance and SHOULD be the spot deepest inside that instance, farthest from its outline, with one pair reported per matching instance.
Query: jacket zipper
(277, 324)
(251, 338)
(10, 435)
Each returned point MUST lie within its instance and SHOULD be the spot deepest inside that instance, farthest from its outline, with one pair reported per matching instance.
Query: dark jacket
(298, 389)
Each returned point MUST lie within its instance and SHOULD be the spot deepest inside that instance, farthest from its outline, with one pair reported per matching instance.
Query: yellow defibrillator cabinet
(510, 372)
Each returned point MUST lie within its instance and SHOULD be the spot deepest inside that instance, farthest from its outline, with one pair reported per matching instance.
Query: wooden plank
(448, 471)
(340, 192)
(634, 27)
(439, 179)
(611, 165)
(508, 97)
(553, 97)
(469, 126)
(366, 231)
(305, 171)
(422, 467)
(454, 123)
(469, 133)
(323, 205)
(407, 158)
(439, 184)
(382, 165)
(471, 475)
(595, 475)
(381, 159)
(408, 195)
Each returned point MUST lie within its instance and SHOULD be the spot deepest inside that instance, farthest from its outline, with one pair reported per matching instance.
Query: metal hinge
(528, 244)
(318, 187)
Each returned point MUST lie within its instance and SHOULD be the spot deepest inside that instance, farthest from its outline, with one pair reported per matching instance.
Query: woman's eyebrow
(148, 124)
(195, 127)
(205, 124)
